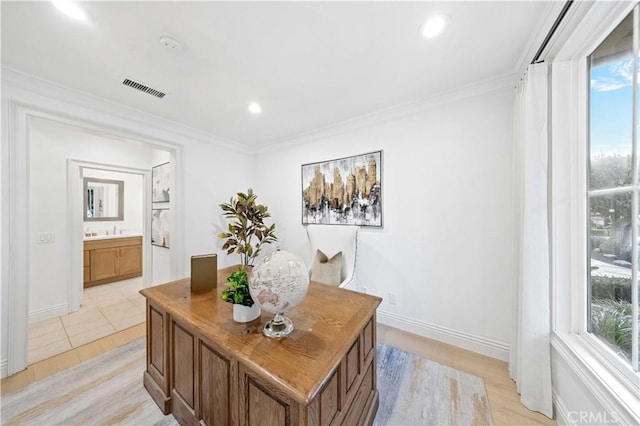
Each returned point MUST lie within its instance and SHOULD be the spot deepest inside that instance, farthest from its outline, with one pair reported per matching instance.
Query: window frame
(608, 377)
(633, 190)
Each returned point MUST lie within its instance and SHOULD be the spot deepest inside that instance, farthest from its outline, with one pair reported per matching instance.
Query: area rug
(107, 390)
(416, 391)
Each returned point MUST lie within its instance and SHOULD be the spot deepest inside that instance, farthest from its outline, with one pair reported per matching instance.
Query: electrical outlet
(392, 298)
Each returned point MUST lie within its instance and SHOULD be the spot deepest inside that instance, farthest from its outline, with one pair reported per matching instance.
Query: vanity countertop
(112, 236)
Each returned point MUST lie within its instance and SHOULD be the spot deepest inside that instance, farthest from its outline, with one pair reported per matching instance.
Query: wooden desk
(207, 369)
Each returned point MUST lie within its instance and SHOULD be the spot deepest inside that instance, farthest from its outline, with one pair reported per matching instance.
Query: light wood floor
(68, 359)
(506, 408)
(505, 402)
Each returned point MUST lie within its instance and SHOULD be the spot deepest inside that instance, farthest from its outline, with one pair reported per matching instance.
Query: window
(613, 183)
(595, 191)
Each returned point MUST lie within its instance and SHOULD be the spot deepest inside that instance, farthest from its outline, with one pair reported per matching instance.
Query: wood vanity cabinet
(112, 260)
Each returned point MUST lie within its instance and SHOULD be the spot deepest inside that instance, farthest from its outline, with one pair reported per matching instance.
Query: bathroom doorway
(113, 225)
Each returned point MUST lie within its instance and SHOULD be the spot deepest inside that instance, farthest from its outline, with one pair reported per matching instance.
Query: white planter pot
(243, 313)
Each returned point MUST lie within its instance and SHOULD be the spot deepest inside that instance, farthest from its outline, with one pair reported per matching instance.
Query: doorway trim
(75, 174)
(15, 226)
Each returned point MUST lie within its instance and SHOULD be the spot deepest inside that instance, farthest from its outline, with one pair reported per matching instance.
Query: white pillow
(325, 270)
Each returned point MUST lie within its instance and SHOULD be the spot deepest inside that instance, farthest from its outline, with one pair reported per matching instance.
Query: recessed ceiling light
(70, 9)
(255, 108)
(434, 25)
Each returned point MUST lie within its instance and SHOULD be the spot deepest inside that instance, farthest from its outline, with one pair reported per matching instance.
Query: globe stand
(279, 326)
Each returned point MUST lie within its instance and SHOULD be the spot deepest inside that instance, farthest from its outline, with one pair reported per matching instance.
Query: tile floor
(106, 309)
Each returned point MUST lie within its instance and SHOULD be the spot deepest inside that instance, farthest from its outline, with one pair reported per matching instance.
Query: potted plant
(237, 292)
(246, 235)
(246, 225)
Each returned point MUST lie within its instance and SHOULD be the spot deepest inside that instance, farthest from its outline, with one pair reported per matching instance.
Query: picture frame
(343, 191)
(161, 183)
(160, 219)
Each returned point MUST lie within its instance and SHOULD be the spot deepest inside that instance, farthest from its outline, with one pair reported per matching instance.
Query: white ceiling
(309, 64)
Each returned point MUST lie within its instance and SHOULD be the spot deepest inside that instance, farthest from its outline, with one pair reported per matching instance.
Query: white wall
(212, 176)
(133, 202)
(446, 249)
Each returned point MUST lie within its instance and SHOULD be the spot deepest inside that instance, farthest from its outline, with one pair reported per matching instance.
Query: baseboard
(4, 372)
(560, 411)
(482, 345)
(48, 313)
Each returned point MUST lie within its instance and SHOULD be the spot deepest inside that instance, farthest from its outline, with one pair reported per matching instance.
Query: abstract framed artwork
(160, 227)
(344, 191)
(161, 183)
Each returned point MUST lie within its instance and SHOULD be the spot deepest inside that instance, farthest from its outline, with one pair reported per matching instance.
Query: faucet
(114, 230)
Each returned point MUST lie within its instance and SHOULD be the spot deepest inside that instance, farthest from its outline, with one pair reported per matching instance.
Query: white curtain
(530, 357)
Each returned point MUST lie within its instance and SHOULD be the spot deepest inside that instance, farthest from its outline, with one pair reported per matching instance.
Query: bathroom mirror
(103, 199)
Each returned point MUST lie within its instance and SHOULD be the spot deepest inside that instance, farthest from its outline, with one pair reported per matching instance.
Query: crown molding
(43, 87)
(39, 86)
(504, 82)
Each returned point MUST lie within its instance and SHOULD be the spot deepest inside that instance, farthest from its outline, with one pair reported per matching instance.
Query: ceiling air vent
(146, 89)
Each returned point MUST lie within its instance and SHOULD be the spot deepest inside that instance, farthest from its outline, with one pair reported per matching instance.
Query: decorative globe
(279, 283)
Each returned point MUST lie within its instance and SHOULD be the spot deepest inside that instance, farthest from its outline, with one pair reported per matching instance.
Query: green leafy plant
(247, 232)
(612, 321)
(605, 287)
(237, 290)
